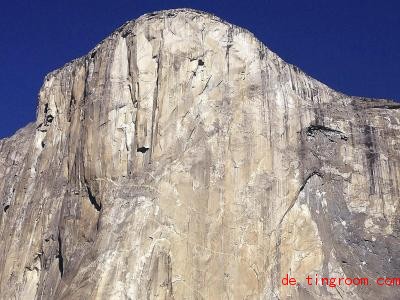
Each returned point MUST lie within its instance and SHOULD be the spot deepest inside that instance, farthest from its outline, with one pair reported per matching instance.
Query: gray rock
(182, 159)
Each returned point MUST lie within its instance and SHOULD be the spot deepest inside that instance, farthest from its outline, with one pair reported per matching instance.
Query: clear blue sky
(353, 46)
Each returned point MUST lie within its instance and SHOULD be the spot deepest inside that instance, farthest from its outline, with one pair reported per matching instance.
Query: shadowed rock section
(182, 159)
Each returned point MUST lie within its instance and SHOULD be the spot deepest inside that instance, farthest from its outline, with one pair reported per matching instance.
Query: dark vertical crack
(135, 96)
(59, 255)
(370, 154)
(292, 80)
(154, 126)
(228, 46)
(285, 114)
(71, 108)
(169, 276)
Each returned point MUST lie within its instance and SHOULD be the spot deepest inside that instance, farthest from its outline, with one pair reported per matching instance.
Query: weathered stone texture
(182, 159)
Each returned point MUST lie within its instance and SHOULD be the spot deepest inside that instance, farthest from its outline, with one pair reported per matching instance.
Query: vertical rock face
(182, 159)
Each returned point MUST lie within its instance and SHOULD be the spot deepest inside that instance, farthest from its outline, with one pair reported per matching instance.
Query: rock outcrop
(182, 159)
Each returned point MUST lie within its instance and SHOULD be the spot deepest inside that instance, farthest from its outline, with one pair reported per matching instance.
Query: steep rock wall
(182, 159)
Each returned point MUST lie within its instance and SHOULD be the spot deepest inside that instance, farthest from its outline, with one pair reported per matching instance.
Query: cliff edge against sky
(182, 159)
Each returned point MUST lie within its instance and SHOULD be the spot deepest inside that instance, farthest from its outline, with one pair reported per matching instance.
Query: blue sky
(352, 46)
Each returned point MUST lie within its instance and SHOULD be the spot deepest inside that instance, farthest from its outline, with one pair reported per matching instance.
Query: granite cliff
(182, 159)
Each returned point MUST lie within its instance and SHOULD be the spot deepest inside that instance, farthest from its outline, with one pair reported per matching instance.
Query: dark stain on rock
(49, 119)
(370, 154)
(330, 133)
(142, 149)
(92, 198)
